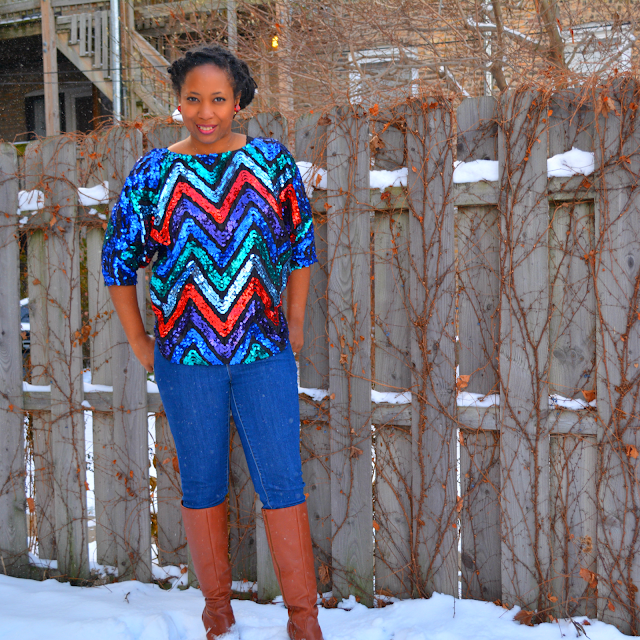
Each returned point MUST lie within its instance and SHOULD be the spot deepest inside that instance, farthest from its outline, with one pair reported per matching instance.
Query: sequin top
(226, 229)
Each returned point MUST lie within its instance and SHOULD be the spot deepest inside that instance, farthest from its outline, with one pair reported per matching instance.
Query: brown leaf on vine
(589, 394)
(462, 382)
(604, 105)
(324, 574)
(631, 451)
(589, 577)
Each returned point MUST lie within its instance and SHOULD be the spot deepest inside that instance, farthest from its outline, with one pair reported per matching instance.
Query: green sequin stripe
(221, 280)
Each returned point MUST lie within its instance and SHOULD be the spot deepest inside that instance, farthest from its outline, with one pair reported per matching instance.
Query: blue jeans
(263, 398)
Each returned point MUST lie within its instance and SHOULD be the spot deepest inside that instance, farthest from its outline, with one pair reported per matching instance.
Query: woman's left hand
(296, 336)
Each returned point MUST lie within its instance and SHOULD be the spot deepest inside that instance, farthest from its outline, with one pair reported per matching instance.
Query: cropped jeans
(263, 398)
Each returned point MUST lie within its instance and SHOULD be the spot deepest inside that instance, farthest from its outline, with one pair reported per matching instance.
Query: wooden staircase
(84, 38)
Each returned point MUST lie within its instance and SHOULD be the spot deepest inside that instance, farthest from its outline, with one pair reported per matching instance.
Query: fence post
(524, 349)
(429, 141)
(617, 228)
(349, 320)
(132, 519)
(478, 326)
(13, 517)
(37, 287)
(65, 351)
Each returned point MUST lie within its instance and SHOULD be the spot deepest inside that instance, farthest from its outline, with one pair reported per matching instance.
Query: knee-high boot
(290, 543)
(208, 538)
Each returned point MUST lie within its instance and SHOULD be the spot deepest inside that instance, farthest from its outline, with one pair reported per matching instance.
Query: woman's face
(207, 103)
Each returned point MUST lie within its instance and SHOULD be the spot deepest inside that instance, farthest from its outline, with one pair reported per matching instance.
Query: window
(35, 118)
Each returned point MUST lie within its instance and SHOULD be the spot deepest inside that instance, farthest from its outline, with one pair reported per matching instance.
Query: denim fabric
(263, 398)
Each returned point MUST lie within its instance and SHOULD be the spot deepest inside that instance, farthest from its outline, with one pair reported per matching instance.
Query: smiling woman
(228, 221)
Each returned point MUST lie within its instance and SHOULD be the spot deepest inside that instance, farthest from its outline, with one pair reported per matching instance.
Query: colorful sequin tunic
(226, 229)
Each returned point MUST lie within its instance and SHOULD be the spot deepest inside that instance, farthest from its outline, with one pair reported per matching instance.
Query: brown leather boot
(208, 539)
(290, 543)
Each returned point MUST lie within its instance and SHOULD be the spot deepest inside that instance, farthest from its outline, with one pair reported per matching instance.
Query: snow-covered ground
(31, 610)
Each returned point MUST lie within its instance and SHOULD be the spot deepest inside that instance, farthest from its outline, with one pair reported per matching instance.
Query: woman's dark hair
(236, 69)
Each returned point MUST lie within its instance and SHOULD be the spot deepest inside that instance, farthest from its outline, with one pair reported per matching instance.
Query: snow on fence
(513, 479)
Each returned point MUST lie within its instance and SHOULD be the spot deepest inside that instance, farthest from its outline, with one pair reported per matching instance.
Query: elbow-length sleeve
(296, 211)
(126, 245)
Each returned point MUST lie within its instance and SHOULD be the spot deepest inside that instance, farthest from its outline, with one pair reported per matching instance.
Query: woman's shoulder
(272, 146)
(148, 170)
(153, 158)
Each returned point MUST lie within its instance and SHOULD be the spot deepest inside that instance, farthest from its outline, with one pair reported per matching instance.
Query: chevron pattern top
(225, 229)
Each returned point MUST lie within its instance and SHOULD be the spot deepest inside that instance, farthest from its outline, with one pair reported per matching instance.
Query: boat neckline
(209, 155)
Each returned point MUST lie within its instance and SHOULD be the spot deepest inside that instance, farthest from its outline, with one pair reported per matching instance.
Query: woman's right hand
(125, 302)
(143, 349)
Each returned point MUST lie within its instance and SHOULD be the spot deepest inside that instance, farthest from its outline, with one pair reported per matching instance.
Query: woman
(228, 222)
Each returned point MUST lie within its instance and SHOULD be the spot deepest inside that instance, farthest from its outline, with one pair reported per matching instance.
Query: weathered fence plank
(268, 587)
(480, 515)
(391, 292)
(349, 320)
(430, 195)
(164, 135)
(131, 440)
(268, 125)
(393, 515)
(478, 328)
(316, 473)
(313, 359)
(392, 488)
(573, 320)
(571, 123)
(617, 229)
(311, 146)
(65, 351)
(13, 506)
(242, 506)
(573, 473)
(39, 356)
(477, 129)
(101, 316)
(524, 349)
(172, 541)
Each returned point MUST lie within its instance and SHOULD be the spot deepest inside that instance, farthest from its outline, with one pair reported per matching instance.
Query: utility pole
(50, 68)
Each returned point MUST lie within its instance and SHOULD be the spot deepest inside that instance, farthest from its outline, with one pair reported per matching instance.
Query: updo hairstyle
(236, 69)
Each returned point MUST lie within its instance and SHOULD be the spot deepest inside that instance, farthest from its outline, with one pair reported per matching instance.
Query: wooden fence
(511, 499)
